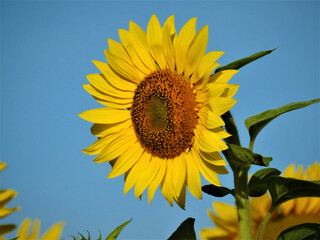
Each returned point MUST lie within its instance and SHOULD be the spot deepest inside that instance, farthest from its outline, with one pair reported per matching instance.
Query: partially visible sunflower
(290, 213)
(23, 233)
(162, 122)
(5, 197)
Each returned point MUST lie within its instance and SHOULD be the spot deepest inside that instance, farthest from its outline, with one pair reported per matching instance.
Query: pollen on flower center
(164, 113)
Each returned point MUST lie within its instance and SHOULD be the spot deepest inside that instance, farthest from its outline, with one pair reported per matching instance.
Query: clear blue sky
(46, 53)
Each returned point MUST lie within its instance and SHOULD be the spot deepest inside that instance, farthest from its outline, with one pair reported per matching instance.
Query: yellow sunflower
(290, 213)
(54, 233)
(5, 197)
(162, 122)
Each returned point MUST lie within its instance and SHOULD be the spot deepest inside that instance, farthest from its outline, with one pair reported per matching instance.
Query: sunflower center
(164, 113)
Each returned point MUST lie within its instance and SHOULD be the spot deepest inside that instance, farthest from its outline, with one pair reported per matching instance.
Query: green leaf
(6, 228)
(216, 191)
(305, 231)
(246, 156)
(257, 122)
(258, 182)
(184, 231)
(244, 61)
(283, 189)
(115, 232)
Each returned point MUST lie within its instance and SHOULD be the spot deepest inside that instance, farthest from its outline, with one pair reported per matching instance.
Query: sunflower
(5, 197)
(54, 233)
(162, 122)
(290, 213)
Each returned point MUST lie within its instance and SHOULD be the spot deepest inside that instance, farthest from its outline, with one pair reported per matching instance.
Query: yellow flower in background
(162, 122)
(5, 197)
(290, 213)
(54, 233)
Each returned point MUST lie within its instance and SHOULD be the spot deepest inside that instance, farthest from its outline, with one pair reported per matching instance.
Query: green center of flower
(157, 113)
(164, 113)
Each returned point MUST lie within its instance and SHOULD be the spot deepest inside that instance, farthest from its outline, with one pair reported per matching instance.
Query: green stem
(251, 145)
(242, 201)
(263, 225)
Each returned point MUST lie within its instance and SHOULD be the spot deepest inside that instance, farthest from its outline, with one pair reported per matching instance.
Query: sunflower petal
(179, 173)
(168, 32)
(105, 115)
(196, 51)
(126, 160)
(147, 176)
(193, 176)
(156, 182)
(184, 39)
(154, 41)
(54, 233)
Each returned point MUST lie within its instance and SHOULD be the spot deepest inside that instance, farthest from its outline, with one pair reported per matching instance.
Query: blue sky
(46, 53)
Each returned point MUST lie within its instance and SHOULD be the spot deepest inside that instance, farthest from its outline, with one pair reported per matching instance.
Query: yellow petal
(35, 230)
(112, 78)
(117, 100)
(23, 231)
(118, 50)
(168, 32)
(223, 76)
(129, 46)
(209, 141)
(209, 119)
(193, 176)
(207, 62)
(154, 41)
(139, 42)
(2, 166)
(54, 233)
(7, 211)
(136, 170)
(179, 173)
(167, 183)
(220, 105)
(196, 51)
(184, 39)
(158, 179)
(147, 176)
(101, 130)
(226, 212)
(126, 160)
(6, 196)
(123, 68)
(230, 91)
(118, 145)
(105, 115)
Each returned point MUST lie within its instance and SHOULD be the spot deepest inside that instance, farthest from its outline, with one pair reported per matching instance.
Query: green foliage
(216, 191)
(185, 231)
(114, 234)
(246, 156)
(283, 189)
(306, 231)
(244, 61)
(257, 122)
(258, 182)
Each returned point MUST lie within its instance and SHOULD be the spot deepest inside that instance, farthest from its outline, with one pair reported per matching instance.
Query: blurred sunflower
(54, 233)
(290, 213)
(5, 197)
(162, 122)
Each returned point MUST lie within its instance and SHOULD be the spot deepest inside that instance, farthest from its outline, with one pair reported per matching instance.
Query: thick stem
(242, 202)
(264, 224)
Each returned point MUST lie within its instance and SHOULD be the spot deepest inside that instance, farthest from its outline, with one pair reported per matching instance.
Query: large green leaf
(257, 122)
(244, 61)
(114, 234)
(246, 156)
(283, 189)
(305, 231)
(258, 182)
(216, 191)
(185, 231)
